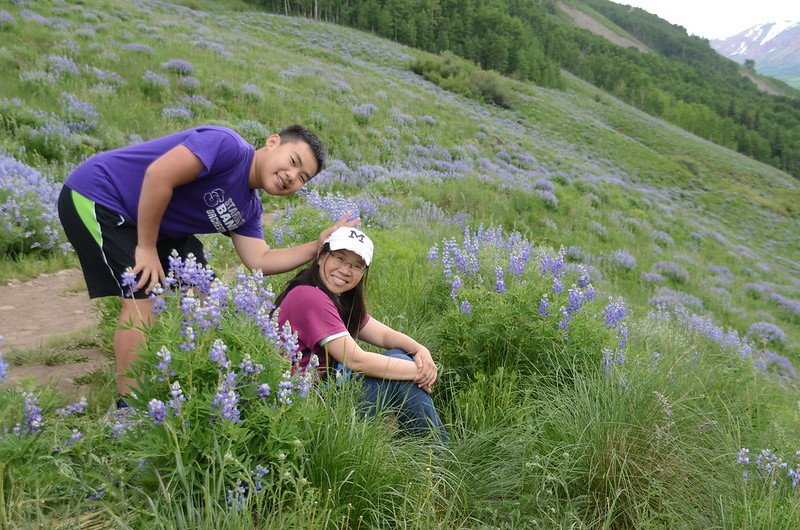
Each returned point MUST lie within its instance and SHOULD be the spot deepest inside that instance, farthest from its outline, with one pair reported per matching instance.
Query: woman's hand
(426, 367)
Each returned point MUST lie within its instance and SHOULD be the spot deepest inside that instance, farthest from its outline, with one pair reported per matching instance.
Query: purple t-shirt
(218, 200)
(313, 316)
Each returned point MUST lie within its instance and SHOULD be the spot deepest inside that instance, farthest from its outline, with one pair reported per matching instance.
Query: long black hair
(351, 305)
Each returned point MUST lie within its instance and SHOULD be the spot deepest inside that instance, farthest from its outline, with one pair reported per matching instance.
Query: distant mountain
(775, 48)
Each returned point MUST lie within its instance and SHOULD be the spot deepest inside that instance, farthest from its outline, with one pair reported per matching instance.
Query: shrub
(463, 77)
(27, 209)
(766, 332)
(518, 314)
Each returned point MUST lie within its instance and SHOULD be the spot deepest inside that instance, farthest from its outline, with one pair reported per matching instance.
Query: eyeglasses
(356, 268)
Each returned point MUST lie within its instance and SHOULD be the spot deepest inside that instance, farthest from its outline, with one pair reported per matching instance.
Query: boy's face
(282, 168)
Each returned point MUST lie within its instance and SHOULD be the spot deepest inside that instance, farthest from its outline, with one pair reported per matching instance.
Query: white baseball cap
(353, 239)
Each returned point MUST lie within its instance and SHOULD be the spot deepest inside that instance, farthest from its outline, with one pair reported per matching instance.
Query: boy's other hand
(149, 266)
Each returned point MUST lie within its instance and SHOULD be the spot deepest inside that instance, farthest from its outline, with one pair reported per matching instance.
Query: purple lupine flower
(189, 83)
(141, 48)
(62, 64)
(75, 437)
(128, 281)
(767, 332)
(78, 407)
(289, 344)
(156, 297)
(666, 298)
(544, 307)
(178, 66)
(264, 390)
(6, 19)
(165, 357)
(364, 111)
(614, 313)
(155, 80)
(622, 260)
(80, 116)
(652, 277)
(188, 338)
(553, 266)
(662, 238)
(249, 368)
(563, 324)
(516, 264)
(268, 324)
(259, 472)
(123, 420)
(607, 361)
(33, 421)
(253, 130)
(743, 456)
(622, 330)
(176, 111)
(235, 498)
(156, 411)
(96, 495)
(176, 393)
(456, 286)
(217, 355)
(500, 283)
(767, 464)
(790, 305)
(227, 399)
(577, 254)
(3, 365)
(286, 388)
(465, 307)
(574, 300)
(189, 308)
(671, 270)
(251, 90)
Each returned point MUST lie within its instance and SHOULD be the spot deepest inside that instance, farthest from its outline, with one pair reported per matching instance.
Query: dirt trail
(36, 311)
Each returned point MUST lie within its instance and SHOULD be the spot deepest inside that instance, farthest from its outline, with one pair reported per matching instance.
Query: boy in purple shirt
(129, 208)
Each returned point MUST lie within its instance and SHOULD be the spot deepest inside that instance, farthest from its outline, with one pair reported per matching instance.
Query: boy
(130, 207)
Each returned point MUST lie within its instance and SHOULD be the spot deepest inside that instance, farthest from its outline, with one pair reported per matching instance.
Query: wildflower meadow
(613, 303)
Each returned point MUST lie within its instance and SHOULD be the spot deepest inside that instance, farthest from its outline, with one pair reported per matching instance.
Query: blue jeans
(412, 405)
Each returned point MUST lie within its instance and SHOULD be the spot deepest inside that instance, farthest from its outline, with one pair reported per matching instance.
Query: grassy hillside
(559, 416)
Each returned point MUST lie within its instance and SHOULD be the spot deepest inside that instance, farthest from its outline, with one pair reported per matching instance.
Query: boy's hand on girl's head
(149, 266)
(343, 221)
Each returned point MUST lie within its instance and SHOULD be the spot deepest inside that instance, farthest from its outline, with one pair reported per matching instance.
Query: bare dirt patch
(33, 313)
(582, 20)
(69, 378)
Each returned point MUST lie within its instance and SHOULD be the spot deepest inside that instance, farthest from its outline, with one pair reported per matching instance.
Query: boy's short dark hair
(297, 133)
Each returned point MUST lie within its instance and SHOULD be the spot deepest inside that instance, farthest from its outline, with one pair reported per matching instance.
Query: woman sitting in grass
(325, 305)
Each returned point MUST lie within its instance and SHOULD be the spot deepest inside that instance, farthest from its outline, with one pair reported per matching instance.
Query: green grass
(542, 436)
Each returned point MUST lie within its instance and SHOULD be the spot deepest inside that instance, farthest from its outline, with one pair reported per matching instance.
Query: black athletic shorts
(105, 242)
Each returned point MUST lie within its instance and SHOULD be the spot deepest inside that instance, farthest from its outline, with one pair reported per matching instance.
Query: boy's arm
(379, 334)
(257, 255)
(176, 167)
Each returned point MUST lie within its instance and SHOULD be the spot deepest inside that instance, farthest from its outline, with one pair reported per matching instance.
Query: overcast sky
(714, 19)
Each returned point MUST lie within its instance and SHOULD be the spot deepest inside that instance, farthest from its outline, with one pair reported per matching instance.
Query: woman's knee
(397, 353)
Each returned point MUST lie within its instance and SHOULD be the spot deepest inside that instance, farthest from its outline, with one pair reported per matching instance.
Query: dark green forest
(683, 80)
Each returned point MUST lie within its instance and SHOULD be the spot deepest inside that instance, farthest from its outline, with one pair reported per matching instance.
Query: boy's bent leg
(415, 409)
(134, 316)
